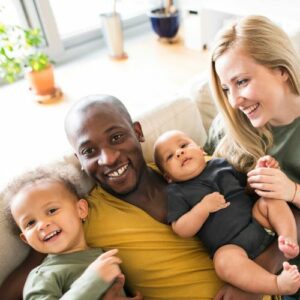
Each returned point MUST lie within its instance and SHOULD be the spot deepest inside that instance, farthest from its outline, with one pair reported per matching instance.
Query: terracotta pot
(42, 82)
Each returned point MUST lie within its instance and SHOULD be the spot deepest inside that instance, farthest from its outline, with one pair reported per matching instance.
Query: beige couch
(191, 111)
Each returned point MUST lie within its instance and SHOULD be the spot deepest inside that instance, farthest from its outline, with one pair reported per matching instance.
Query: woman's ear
(284, 74)
(138, 131)
(83, 209)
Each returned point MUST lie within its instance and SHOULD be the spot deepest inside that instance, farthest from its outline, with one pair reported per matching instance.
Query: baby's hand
(107, 266)
(267, 161)
(214, 202)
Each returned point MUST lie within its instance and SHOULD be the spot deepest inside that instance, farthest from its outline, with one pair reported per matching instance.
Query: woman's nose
(235, 99)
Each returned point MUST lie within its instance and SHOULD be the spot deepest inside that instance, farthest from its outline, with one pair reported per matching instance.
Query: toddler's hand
(107, 266)
(267, 161)
(214, 202)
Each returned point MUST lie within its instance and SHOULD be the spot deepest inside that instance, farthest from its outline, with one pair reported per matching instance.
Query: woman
(255, 76)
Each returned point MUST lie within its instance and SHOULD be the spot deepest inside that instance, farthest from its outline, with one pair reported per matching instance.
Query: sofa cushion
(199, 91)
(180, 113)
(12, 250)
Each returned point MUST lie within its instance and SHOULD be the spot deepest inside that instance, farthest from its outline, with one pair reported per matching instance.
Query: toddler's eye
(30, 223)
(52, 211)
(184, 145)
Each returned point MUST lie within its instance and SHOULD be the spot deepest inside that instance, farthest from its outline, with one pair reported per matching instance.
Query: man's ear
(23, 238)
(139, 131)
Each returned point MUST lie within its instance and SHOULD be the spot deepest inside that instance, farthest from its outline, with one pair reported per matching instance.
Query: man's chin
(119, 190)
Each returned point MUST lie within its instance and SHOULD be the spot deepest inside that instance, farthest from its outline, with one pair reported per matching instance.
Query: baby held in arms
(209, 200)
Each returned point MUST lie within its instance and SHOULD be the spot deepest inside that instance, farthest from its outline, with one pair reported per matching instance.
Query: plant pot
(165, 26)
(42, 82)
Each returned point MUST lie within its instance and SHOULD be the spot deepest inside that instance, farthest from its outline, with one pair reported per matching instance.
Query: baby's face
(49, 217)
(180, 157)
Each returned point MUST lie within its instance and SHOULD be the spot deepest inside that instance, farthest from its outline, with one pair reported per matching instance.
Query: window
(69, 26)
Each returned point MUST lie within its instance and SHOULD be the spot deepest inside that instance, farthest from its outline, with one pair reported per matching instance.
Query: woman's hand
(228, 292)
(271, 183)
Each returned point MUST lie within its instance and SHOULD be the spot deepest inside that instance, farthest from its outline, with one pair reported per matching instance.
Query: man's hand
(213, 202)
(228, 292)
(115, 292)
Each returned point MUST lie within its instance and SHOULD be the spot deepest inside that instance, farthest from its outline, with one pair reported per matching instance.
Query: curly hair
(66, 172)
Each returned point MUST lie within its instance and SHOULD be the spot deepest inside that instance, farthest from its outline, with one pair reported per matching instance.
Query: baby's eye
(183, 145)
(51, 211)
(169, 157)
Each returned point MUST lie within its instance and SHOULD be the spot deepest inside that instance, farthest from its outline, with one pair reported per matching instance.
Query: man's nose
(108, 156)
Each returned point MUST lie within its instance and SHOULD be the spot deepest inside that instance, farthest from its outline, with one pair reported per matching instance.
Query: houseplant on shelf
(165, 20)
(21, 54)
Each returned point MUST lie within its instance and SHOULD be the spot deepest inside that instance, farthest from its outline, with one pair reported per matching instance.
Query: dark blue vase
(165, 26)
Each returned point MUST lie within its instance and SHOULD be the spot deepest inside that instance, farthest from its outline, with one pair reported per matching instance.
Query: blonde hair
(269, 46)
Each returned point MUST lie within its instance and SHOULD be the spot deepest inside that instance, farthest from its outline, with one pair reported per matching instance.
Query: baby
(49, 215)
(209, 200)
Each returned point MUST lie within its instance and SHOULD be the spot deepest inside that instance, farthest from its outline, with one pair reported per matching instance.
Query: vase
(113, 34)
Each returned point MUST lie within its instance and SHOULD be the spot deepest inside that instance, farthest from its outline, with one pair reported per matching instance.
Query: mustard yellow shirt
(155, 261)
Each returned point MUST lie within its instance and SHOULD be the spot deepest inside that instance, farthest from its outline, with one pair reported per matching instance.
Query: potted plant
(21, 54)
(165, 20)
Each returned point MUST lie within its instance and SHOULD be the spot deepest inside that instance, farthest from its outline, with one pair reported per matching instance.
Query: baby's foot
(289, 248)
(288, 281)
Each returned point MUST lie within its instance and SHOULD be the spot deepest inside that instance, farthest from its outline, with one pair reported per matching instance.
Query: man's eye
(117, 138)
(51, 211)
(88, 151)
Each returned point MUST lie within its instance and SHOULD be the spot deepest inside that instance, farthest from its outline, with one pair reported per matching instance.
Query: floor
(32, 134)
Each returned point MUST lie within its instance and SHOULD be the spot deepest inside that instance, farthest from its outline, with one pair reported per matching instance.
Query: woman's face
(259, 92)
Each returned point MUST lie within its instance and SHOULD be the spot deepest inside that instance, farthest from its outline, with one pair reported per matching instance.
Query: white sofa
(191, 111)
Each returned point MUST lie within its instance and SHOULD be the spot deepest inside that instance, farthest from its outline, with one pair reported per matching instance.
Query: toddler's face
(50, 217)
(180, 157)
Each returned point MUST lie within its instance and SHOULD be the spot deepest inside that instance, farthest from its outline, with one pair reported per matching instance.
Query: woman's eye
(241, 82)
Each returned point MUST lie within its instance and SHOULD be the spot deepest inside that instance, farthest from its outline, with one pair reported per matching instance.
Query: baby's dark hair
(49, 173)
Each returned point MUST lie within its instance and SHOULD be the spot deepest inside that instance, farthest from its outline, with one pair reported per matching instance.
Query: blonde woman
(255, 76)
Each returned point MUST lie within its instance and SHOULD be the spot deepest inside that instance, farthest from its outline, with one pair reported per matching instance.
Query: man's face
(107, 147)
